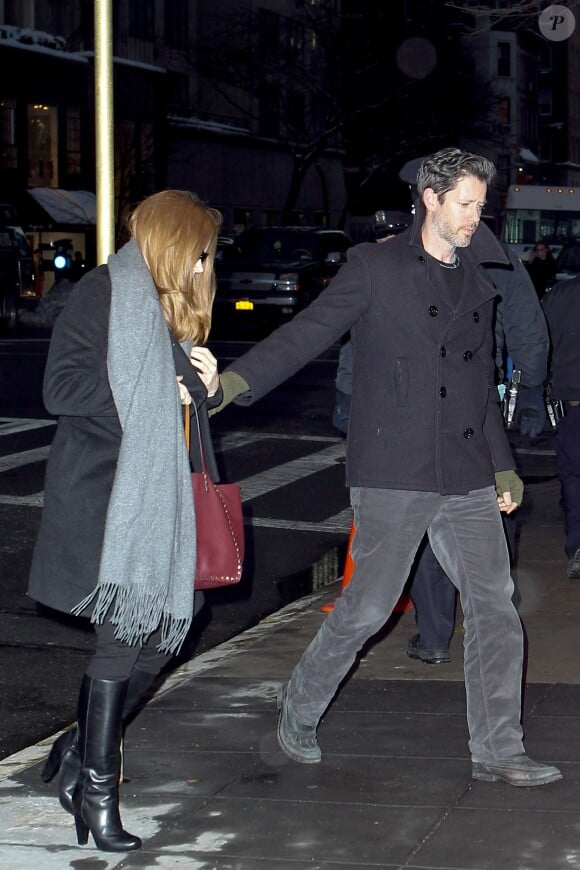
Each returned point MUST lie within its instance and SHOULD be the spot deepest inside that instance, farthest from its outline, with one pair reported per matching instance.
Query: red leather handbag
(219, 524)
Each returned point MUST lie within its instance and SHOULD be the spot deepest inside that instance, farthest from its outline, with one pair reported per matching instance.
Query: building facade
(186, 115)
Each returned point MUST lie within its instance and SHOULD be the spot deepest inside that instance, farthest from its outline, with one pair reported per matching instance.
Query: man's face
(456, 219)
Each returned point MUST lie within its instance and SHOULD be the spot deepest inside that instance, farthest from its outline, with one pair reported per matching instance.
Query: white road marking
(25, 457)
(9, 426)
(252, 487)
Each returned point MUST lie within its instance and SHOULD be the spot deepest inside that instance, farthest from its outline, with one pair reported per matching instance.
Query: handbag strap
(187, 432)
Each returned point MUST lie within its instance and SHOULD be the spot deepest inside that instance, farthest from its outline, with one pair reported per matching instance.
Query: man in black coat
(521, 332)
(426, 444)
(562, 308)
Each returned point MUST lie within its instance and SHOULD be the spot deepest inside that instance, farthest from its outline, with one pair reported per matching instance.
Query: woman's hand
(206, 366)
(184, 394)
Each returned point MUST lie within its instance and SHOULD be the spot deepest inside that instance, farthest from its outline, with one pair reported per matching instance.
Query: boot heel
(82, 830)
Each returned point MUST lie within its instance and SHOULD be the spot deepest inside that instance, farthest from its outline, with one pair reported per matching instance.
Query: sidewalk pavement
(206, 786)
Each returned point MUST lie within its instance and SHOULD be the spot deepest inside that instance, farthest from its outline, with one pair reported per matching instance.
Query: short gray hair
(441, 171)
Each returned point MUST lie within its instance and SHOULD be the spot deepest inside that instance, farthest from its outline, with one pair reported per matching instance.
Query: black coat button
(421, 259)
(433, 310)
(475, 317)
(442, 392)
(468, 433)
(443, 351)
(467, 356)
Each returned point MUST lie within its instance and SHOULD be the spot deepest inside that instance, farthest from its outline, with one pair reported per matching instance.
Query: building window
(504, 168)
(295, 112)
(177, 23)
(177, 92)
(242, 219)
(73, 142)
(545, 102)
(135, 147)
(42, 146)
(8, 153)
(504, 59)
(268, 36)
(142, 19)
(504, 112)
(269, 110)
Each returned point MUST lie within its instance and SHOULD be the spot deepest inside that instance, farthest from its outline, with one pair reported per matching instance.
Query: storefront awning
(75, 207)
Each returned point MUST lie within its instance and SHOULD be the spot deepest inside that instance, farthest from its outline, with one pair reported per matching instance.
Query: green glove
(232, 385)
(508, 481)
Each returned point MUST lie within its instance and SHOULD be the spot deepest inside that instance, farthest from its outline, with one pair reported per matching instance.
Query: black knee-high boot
(96, 799)
(64, 755)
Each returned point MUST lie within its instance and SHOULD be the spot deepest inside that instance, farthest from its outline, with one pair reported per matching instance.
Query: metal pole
(104, 147)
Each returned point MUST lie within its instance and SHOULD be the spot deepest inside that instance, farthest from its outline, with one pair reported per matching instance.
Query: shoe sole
(287, 750)
(483, 776)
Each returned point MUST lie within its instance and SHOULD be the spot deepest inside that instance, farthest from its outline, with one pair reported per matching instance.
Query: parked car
(17, 290)
(270, 273)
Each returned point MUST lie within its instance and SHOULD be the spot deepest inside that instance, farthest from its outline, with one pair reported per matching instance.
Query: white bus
(533, 212)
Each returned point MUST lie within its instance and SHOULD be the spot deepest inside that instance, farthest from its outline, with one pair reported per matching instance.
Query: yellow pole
(104, 147)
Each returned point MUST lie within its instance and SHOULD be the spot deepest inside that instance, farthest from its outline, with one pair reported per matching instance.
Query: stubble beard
(447, 234)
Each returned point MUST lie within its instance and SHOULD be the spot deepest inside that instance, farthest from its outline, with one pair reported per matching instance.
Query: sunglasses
(203, 256)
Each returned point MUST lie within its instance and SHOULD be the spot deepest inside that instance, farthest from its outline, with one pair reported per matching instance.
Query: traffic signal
(62, 259)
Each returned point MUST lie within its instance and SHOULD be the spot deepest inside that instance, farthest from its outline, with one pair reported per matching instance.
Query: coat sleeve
(198, 394)
(520, 324)
(290, 347)
(76, 383)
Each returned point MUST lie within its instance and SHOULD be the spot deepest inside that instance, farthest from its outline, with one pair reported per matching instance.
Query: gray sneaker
(298, 741)
(518, 770)
(574, 566)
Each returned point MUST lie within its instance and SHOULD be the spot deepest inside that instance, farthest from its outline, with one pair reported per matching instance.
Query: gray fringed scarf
(149, 548)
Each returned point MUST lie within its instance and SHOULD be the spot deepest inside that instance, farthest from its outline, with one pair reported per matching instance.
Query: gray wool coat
(425, 413)
(84, 452)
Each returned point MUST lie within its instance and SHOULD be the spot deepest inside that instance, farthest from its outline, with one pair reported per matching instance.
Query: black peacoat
(83, 456)
(425, 413)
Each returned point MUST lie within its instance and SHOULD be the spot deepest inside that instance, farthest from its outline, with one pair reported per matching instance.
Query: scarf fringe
(135, 615)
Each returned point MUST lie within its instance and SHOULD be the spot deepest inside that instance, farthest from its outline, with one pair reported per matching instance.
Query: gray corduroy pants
(467, 537)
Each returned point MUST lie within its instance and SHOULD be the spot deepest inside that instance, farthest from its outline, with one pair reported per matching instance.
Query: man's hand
(531, 411)
(510, 490)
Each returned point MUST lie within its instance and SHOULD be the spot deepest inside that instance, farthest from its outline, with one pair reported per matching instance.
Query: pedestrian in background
(426, 444)
(562, 308)
(117, 537)
(541, 267)
(78, 267)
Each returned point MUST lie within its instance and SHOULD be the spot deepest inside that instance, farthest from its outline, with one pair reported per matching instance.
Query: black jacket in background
(561, 306)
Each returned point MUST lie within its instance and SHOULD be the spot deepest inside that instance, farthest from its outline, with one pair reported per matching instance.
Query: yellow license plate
(244, 305)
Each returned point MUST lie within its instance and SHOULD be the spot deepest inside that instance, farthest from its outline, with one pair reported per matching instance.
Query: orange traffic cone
(404, 602)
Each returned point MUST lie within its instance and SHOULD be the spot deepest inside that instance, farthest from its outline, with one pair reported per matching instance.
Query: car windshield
(287, 246)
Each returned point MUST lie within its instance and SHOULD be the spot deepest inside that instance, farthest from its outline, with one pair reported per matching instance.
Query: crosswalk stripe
(289, 472)
(25, 457)
(10, 426)
(252, 487)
